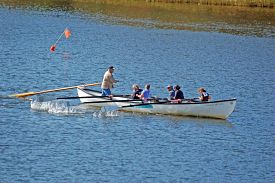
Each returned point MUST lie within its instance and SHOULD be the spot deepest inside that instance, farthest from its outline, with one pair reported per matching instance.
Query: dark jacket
(179, 94)
(135, 93)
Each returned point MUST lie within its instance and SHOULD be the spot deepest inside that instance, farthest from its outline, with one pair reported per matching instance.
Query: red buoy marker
(52, 48)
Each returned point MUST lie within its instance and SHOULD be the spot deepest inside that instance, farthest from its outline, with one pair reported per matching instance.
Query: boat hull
(214, 109)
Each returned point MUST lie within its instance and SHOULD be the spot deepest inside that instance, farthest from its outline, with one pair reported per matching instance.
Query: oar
(184, 100)
(94, 97)
(108, 101)
(145, 104)
(22, 95)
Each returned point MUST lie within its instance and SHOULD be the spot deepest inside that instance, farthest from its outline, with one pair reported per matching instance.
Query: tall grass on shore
(250, 3)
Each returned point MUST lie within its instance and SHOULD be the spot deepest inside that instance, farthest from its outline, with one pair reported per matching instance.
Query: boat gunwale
(206, 102)
(168, 102)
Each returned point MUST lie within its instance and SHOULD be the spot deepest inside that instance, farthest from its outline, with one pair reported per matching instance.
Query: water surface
(71, 143)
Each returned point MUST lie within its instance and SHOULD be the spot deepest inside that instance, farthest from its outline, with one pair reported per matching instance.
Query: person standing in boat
(146, 93)
(108, 82)
(171, 92)
(136, 91)
(178, 94)
(204, 96)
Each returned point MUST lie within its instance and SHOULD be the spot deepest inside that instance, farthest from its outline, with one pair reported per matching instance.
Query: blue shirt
(146, 94)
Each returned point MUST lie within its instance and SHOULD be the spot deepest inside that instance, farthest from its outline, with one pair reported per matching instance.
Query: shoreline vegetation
(244, 3)
(248, 3)
(231, 3)
(237, 20)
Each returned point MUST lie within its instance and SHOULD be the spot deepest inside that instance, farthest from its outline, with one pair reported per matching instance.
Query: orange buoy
(67, 33)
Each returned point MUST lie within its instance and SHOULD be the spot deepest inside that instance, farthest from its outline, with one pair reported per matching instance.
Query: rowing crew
(175, 94)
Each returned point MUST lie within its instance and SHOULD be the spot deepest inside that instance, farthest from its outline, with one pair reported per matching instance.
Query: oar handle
(141, 104)
(93, 84)
(107, 97)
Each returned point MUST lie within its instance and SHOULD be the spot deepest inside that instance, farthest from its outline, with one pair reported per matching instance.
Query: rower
(145, 94)
(108, 81)
(178, 94)
(204, 96)
(171, 92)
(136, 91)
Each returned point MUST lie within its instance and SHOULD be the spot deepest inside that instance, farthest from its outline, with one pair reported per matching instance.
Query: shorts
(106, 92)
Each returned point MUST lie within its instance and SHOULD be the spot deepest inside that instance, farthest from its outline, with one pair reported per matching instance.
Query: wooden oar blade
(23, 95)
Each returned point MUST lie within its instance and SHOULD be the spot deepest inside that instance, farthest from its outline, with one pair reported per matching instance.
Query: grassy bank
(250, 3)
(247, 3)
(240, 20)
(243, 3)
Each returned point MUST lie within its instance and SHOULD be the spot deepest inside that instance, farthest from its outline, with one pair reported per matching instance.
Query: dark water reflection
(233, 20)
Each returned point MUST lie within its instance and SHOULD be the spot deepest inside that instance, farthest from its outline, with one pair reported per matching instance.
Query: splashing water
(64, 107)
(55, 107)
(61, 107)
(102, 114)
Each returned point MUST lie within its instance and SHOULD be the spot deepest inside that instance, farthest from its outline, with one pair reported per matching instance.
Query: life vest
(205, 96)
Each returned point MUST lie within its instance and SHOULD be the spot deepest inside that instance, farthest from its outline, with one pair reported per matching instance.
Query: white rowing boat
(213, 109)
(84, 92)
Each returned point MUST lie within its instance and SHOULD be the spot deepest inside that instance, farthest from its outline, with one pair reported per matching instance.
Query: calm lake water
(62, 141)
